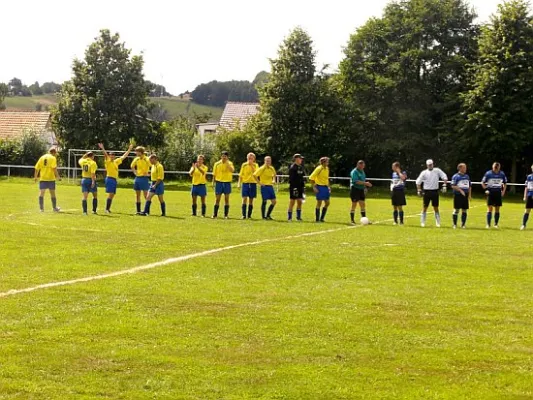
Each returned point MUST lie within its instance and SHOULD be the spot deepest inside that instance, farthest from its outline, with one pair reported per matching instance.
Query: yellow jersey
(222, 171)
(320, 176)
(247, 172)
(142, 165)
(88, 167)
(266, 175)
(111, 167)
(197, 177)
(157, 172)
(46, 167)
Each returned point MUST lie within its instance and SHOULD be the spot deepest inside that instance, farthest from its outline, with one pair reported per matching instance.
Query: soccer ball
(365, 221)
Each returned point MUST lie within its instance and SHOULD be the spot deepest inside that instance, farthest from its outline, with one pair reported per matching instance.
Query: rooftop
(237, 113)
(15, 123)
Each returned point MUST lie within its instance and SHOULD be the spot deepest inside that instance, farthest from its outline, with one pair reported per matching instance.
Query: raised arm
(101, 146)
(127, 153)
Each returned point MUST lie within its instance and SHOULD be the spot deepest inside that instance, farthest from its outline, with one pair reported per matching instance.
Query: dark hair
(225, 153)
(90, 154)
(497, 165)
(360, 162)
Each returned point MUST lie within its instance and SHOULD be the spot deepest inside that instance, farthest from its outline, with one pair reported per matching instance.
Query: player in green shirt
(357, 190)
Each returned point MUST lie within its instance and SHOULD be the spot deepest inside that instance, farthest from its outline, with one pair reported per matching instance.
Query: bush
(23, 151)
(239, 142)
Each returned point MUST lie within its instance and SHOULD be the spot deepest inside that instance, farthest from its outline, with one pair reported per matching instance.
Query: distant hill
(174, 105)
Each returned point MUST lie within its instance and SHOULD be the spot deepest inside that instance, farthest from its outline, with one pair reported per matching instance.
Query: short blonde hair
(140, 149)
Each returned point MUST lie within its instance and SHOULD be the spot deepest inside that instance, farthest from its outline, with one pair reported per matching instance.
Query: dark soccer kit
(296, 181)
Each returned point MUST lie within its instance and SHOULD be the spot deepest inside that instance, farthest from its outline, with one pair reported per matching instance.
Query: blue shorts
(268, 193)
(222, 188)
(110, 185)
(199, 190)
(158, 190)
(86, 186)
(249, 190)
(50, 185)
(141, 183)
(323, 193)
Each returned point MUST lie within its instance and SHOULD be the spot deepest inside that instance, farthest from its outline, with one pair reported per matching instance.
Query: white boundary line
(174, 260)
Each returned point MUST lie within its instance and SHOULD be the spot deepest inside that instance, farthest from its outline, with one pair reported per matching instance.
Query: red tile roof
(237, 113)
(14, 124)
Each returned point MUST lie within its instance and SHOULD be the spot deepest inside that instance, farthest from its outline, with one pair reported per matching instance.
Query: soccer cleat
(487, 227)
(455, 227)
(214, 217)
(437, 225)
(496, 227)
(57, 209)
(401, 224)
(41, 210)
(107, 211)
(352, 223)
(243, 217)
(142, 214)
(95, 212)
(423, 225)
(299, 220)
(85, 214)
(395, 224)
(163, 215)
(269, 219)
(463, 227)
(226, 217)
(523, 228)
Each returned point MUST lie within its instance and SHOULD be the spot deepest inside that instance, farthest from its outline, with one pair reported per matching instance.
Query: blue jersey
(462, 181)
(397, 182)
(529, 184)
(494, 180)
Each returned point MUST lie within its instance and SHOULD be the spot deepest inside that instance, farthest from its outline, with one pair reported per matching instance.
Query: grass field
(303, 311)
(175, 106)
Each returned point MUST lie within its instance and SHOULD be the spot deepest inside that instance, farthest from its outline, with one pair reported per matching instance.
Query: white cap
(429, 162)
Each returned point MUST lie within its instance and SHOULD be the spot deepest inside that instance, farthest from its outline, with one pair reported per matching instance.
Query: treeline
(422, 81)
(15, 87)
(217, 93)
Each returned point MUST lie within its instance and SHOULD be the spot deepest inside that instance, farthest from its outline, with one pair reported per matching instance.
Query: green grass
(29, 103)
(371, 312)
(175, 106)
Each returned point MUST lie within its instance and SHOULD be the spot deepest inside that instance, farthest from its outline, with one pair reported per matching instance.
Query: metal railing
(279, 178)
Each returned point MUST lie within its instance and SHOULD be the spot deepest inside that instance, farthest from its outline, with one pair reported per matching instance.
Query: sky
(184, 42)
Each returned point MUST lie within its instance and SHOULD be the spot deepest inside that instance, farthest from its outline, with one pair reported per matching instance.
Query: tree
(261, 79)
(106, 100)
(299, 109)
(157, 90)
(217, 93)
(50, 87)
(4, 91)
(15, 86)
(35, 89)
(402, 77)
(498, 107)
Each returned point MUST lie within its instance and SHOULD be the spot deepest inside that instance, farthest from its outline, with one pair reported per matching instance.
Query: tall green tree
(106, 100)
(298, 106)
(402, 76)
(499, 105)
(4, 91)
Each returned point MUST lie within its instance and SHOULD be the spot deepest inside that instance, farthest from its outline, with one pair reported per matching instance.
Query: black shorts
(431, 196)
(460, 202)
(494, 199)
(296, 193)
(529, 203)
(398, 198)
(357, 194)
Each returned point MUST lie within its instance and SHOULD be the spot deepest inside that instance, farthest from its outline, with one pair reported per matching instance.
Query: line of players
(149, 182)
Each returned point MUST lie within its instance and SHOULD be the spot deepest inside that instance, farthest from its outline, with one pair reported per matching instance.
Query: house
(237, 113)
(14, 124)
(206, 128)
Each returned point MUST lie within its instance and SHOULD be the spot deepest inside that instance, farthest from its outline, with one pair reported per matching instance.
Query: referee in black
(296, 186)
